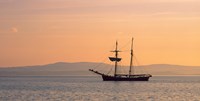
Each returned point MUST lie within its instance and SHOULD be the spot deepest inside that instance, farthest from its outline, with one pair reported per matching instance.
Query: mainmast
(131, 61)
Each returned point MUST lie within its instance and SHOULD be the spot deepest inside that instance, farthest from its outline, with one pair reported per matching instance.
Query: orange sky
(46, 31)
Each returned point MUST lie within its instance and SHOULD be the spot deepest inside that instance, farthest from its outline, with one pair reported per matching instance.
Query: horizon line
(92, 62)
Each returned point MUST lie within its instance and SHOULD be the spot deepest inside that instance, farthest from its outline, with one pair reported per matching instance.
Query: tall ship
(122, 77)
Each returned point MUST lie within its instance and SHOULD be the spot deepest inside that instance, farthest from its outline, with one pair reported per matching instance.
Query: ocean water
(92, 88)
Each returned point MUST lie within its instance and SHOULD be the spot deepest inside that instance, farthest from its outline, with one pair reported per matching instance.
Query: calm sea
(92, 88)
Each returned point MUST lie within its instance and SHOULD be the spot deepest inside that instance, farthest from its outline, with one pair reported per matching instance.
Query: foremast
(116, 56)
(115, 59)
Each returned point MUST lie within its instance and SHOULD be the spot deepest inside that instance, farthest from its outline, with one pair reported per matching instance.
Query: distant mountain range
(81, 68)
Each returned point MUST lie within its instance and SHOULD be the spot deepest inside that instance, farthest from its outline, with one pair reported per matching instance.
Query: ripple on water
(92, 89)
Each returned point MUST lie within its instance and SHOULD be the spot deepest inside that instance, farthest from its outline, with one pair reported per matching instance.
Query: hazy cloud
(9, 30)
(14, 30)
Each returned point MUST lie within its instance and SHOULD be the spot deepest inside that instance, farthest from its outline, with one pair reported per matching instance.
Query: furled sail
(115, 59)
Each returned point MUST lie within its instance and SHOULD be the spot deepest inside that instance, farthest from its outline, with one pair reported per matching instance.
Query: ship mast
(131, 61)
(115, 59)
(116, 56)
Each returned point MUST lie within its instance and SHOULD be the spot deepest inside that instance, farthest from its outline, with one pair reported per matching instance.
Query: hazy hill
(81, 68)
(59, 69)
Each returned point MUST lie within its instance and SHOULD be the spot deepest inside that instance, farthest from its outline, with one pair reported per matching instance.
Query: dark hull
(125, 77)
(137, 78)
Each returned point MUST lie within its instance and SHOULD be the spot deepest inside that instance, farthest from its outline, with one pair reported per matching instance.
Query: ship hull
(112, 78)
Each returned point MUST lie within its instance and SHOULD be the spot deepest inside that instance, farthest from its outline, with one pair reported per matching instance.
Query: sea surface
(92, 88)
